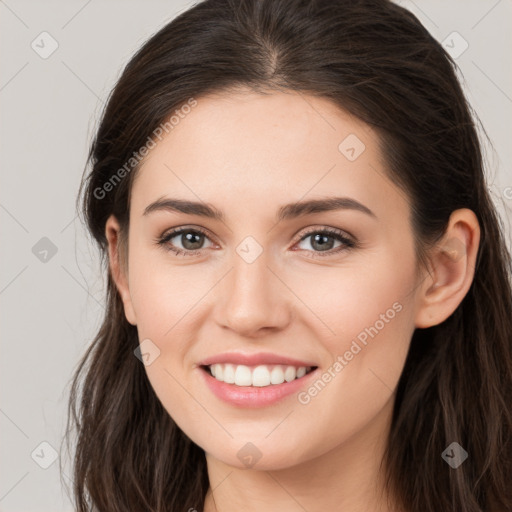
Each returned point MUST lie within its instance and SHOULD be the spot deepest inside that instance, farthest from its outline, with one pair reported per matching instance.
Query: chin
(261, 456)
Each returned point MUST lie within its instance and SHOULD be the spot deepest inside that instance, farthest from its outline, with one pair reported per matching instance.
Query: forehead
(245, 148)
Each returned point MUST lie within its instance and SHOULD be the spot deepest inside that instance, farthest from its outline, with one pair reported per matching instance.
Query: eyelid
(297, 238)
(187, 227)
(347, 240)
(324, 229)
(173, 232)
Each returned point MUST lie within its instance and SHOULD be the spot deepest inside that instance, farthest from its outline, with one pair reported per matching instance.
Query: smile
(257, 386)
(257, 376)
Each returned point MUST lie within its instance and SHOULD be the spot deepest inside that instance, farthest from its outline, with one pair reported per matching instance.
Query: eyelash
(348, 243)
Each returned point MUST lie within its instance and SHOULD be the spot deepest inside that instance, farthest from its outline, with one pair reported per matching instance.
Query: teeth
(258, 376)
(229, 373)
(290, 373)
(243, 376)
(277, 375)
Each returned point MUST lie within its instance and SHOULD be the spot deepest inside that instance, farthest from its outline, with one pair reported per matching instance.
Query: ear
(119, 266)
(452, 270)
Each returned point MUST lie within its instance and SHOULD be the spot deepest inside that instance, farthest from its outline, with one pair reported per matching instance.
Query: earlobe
(453, 267)
(118, 268)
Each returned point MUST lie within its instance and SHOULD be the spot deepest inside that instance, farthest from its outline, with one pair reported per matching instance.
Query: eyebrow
(286, 212)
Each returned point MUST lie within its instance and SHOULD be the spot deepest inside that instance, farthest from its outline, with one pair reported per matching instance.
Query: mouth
(259, 376)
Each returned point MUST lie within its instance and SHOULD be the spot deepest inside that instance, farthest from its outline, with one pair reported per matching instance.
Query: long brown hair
(374, 59)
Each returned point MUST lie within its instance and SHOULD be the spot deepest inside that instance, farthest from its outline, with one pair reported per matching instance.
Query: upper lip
(254, 359)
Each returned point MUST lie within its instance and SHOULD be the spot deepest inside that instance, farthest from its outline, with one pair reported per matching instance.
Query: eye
(323, 241)
(191, 241)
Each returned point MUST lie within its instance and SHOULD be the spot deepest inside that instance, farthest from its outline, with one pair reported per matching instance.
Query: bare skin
(247, 155)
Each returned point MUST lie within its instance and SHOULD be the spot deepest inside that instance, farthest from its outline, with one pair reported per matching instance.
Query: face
(328, 288)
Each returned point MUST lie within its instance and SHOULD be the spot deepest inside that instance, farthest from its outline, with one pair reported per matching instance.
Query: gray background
(52, 303)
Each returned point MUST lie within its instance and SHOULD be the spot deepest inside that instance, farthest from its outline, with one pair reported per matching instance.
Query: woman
(309, 301)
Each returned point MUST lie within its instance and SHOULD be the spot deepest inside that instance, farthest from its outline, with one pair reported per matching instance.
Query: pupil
(188, 239)
(321, 240)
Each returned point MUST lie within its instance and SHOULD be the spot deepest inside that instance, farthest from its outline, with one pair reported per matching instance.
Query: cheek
(165, 301)
(366, 325)
(162, 294)
(373, 323)
(348, 299)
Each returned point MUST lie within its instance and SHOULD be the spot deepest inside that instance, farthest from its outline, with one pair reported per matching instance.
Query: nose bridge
(254, 299)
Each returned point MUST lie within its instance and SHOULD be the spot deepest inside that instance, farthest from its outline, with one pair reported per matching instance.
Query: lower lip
(254, 396)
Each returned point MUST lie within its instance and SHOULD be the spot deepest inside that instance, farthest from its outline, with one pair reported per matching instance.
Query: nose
(254, 300)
